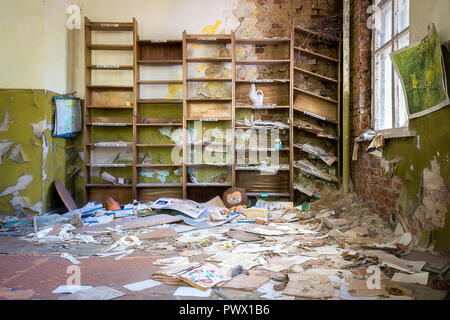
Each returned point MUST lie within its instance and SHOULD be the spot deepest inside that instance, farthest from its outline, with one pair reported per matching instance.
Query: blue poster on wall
(67, 117)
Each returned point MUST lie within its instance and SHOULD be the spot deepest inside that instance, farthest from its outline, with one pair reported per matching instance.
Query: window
(390, 34)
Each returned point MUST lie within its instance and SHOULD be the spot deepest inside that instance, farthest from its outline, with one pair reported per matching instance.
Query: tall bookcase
(158, 119)
(316, 94)
(108, 110)
(270, 57)
(208, 89)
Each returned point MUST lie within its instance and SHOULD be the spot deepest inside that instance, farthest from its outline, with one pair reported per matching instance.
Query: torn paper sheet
(141, 285)
(245, 282)
(97, 293)
(267, 291)
(192, 292)
(277, 264)
(417, 278)
(70, 289)
(67, 256)
(397, 263)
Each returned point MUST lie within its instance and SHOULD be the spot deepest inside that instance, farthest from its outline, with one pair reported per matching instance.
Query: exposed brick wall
(377, 191)
(360, 68)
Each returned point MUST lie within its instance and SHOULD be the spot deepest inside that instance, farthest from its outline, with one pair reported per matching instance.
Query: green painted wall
(24, 108)
(416, 154)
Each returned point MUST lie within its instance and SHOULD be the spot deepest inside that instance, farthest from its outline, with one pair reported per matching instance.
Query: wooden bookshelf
(277, 101)
(215, 111)
(102, 102)
(316, 113)
(149, 117)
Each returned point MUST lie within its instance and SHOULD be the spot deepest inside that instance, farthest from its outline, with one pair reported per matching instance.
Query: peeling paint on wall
(6, 121)
(430, 214)
(5, 145)
(22, 184)
(27, 148)
(17, 155)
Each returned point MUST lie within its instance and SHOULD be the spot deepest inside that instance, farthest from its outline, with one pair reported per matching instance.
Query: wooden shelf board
(207, 79)
(106, 124)
(313, 132)
(262, 149)
(159, 62)
(120, 67)
(110, 26)
(333, 178)
(243, 62)
(109, 107)
(263, 40)
(159, 185)
(251, 107)
(257, 169)
(321, 36)
(159, 124)
(210, 119)
(157, 145)
(113, 144)
(160, 101)
(272, 81)
(189, 184)
(158, 165)
(313, 74)
(315, 116)
(208, 164)
(104, 185)
(208, 99)
(118, 47)
(316, 54)
(315, 95)
(160, 81)
(110, 86)
(106, 165)
(158, 42)
(206, 59)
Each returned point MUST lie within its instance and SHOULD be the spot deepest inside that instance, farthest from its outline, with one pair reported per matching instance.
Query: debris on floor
(333, 248)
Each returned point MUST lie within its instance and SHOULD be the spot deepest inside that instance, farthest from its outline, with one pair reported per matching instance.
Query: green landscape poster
(422, 72)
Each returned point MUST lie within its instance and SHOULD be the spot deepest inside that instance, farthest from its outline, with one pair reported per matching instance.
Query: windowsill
(397, 133)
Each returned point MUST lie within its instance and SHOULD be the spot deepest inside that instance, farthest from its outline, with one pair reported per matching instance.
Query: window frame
(391, 43)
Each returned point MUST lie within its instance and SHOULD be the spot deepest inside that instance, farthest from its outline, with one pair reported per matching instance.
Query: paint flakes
(433, 207)
(6, 120)
(40, 127)
(22, 184)
(17, 154)
(5, 145)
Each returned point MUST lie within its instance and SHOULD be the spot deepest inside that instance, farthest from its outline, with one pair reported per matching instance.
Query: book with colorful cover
(205, 276)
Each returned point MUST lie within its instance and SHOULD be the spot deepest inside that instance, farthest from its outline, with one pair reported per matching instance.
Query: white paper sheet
(192, 292)
(141, 285)
(70, 289)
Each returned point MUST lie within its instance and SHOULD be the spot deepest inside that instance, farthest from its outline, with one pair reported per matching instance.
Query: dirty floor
(332, 249)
